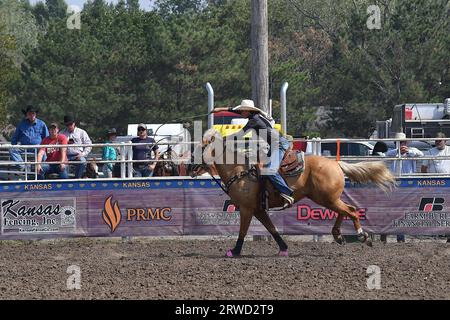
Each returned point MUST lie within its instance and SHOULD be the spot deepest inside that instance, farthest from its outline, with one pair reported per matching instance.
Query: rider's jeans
(271, 169)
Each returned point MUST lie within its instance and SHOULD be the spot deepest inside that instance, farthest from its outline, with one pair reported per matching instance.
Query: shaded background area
(126, 64)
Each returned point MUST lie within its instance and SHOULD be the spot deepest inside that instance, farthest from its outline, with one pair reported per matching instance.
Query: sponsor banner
(155, 183)
(224, 220)
(432, 212)
(124, 215)
(404, 211)
(185, 207)
(38, 215)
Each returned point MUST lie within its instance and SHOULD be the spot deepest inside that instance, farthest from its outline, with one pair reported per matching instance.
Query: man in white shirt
(76, 135)
(440, 150)
(407, 166)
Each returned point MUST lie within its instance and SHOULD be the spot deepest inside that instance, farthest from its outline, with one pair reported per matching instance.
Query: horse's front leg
(264, 218)
(246, 216)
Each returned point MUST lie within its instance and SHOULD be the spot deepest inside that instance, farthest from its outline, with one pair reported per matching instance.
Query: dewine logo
(305, 212)
(112, 214)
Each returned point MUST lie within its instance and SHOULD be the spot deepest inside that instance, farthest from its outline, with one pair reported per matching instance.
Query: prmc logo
(431, 204)
(111, 214)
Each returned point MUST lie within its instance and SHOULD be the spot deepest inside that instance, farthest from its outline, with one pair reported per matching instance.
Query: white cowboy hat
(247, 105)
(400, 136)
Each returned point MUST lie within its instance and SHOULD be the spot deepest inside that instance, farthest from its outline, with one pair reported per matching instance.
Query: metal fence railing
(9, 171)
(316, 149)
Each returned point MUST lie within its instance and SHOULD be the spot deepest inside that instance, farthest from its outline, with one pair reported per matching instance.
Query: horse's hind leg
(344, 209)
(264, 218)
(336, 231)
(246, 216)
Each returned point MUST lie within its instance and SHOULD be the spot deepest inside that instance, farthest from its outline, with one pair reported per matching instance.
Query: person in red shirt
(53, 154)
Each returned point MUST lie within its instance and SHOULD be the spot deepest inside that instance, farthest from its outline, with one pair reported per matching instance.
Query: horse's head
(204, 153)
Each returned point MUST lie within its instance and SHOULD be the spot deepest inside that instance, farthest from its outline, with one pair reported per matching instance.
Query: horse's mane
(213, 136)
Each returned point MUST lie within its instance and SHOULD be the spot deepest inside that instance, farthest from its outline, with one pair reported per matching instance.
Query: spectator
(440, 150)
(404, 166)
(144, 152)
(379, 149)
(30, 131)
(109, 153)
(76, 135)
(53, 154)
(438, 166)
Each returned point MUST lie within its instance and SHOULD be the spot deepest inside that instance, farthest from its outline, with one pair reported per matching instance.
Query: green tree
(8, 73)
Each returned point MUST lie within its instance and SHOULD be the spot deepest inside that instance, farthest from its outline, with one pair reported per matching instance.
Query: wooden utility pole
(260, 55)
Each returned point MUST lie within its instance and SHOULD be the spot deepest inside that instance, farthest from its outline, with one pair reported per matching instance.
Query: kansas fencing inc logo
(37, 215)
(431, 214)
(112, 214)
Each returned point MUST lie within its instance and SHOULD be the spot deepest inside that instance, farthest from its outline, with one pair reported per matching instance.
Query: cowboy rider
(259, 121)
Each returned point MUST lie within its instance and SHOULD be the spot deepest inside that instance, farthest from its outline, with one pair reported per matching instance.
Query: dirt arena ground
(148, 268)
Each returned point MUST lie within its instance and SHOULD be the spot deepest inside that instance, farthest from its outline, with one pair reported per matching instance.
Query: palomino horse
(322, 181)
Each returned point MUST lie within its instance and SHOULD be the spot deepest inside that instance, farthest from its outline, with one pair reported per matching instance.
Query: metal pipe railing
(126, 161)
(283, 102)
(210, 90)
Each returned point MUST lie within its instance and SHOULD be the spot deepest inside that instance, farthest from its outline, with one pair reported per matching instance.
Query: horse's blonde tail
(372, 171)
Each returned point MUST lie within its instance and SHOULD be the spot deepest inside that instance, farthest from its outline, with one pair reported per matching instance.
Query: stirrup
(289, 201)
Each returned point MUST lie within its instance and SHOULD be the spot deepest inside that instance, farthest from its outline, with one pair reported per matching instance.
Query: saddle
(293, 163)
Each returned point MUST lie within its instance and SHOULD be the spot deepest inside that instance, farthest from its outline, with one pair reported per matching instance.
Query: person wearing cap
(53, 154)
(262, 124)
(109, 153)
(440, 150)
(77, 136)
(144, 152)
(30, 131)
(404, 166)
(379, 149)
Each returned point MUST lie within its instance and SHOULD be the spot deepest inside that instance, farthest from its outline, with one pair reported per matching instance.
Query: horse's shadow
(242, 256)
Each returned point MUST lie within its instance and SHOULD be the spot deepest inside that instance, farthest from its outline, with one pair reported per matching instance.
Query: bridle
(224, 186)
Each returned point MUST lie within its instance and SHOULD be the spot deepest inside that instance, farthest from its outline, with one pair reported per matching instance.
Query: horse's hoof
(338, 237)
(283, 253)
(230, 254)
(364, 238)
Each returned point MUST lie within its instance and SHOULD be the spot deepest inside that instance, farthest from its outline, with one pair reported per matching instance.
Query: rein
(226, 186)
(240, 175)
(176, 120)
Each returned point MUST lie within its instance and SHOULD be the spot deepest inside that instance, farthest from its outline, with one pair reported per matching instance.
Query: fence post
(122, 159)
(130, 158)
(35, 164)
